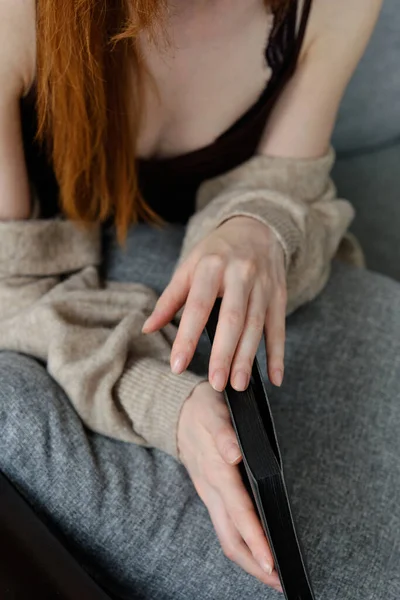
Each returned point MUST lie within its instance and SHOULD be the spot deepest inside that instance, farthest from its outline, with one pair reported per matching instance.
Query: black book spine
(262, 474)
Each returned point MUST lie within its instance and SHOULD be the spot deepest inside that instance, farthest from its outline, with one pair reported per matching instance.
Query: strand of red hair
(89, 103)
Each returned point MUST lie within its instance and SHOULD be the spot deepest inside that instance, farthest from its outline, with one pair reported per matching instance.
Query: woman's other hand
(241, 261)
(208, 448)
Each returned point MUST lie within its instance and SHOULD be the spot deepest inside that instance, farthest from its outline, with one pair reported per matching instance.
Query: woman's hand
(208, 448)
(243, 262)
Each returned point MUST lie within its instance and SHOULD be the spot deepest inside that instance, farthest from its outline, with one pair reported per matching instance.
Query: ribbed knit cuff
(283, 216)
(271, 215)
(153, 396)
(275, 191)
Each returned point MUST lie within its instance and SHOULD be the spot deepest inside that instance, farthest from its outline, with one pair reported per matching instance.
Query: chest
(205, 70)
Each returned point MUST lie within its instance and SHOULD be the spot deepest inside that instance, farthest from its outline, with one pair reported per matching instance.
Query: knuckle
(276, 363)
(221, 360)
(213, 261)
(227, 448)
(233, 317)
(247, 268)
(230, 551)
(259, 546)
(255, 322)
(199, 306)
(189, 345)
(236, 515)
(243, 362)
(225, 436)
(281, 292)
(185, 344)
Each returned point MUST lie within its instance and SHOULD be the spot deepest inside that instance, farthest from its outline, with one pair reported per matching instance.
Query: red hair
(89, 103)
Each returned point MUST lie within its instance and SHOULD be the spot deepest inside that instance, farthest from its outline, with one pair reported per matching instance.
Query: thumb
(228, 447)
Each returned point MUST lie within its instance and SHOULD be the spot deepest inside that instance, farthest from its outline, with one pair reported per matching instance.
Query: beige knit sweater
(53, 305)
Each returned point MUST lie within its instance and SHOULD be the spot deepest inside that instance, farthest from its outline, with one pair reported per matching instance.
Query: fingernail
(266, 566)
(278, 377)
(233, 453)
(179, 364)
(241, 381)
(145, 324)
(218, 380)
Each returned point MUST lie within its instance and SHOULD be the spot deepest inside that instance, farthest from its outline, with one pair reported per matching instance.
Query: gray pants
(132, 516)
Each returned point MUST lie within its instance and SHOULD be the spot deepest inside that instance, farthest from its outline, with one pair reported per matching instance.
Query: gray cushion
(371, 181)
(367, 139)
(370, 112)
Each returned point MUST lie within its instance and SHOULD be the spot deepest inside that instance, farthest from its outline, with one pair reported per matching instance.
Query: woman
(173, 109)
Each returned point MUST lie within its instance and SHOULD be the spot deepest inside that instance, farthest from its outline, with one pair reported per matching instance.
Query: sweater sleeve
(297, 199)
(53, 306)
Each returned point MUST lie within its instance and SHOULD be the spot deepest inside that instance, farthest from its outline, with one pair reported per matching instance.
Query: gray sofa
(367, 140)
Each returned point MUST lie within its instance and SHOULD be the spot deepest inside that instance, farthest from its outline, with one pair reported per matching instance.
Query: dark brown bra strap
(286, 40)
(302, 27)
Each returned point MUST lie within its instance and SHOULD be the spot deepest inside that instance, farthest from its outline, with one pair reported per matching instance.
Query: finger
(233, 545)
(227, 481)
(170, 301)
(200, 300)
(241, 510)
(229, 484)
(237, 289)
(250, 339)
(226, 443)
(275, 335)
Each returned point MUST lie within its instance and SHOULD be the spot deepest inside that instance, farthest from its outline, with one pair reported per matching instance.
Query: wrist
(198, 389)
(258, 230)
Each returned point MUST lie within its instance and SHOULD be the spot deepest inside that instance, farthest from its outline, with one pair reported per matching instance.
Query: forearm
(15, 193)
(296, 199)
(54, 307)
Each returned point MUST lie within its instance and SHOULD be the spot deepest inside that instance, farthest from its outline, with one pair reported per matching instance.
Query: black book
(262, 473)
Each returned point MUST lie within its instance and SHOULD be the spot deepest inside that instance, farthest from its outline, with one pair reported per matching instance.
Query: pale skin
(214, 45)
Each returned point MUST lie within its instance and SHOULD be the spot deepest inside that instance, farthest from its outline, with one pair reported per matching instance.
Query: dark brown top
(169, 185)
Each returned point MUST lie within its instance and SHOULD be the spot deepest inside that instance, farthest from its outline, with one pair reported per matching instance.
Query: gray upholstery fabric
(370, 112)
(367, 139)
(131, 514)
(371, 182)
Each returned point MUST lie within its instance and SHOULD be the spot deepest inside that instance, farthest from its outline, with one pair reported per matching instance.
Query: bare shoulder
(341, 28)
(337, 34)
(18, 45)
